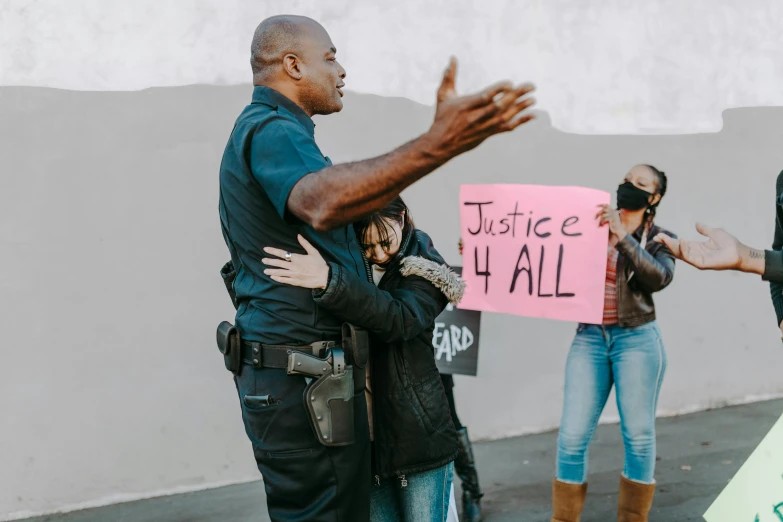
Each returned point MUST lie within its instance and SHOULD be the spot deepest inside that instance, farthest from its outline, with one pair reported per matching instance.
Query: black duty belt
(334, 372)
(261, 355)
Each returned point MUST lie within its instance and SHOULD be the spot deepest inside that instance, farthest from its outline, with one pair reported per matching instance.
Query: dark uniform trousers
(304, 480)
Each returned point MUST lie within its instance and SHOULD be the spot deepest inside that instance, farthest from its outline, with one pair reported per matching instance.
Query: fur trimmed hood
(443, 277)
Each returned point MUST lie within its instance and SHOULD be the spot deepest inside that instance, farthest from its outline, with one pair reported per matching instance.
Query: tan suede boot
(635, 500)
(567, 501)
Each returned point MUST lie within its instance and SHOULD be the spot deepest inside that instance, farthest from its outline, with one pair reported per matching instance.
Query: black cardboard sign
(456, 339)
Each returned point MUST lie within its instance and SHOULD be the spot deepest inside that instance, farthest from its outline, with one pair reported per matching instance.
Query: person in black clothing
(465, 463)
(722, 251)
(407, 285)
(775, 257)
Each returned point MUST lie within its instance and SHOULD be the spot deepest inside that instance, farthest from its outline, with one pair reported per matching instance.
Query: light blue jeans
(634, 361)
(421, 497)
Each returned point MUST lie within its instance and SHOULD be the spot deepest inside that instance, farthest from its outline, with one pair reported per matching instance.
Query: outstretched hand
(304, 270)
(721, 251)
(463, 122)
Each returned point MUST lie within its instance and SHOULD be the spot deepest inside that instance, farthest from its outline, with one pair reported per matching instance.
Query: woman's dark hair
(662, 184)
(396, 211)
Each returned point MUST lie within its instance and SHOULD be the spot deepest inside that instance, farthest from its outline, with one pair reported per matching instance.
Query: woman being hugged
(625, 351)
(407, 285)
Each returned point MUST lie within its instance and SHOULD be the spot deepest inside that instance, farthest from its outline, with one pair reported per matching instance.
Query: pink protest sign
(534, 250)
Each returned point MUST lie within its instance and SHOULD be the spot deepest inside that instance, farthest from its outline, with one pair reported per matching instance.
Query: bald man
(274, 184)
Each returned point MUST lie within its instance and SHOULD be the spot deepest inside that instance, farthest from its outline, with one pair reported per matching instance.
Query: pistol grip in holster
(228, 342)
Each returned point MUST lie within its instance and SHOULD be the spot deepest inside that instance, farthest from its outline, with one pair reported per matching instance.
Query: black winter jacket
(413, 430)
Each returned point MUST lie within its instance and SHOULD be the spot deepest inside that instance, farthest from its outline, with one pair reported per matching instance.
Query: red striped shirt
(610, 292)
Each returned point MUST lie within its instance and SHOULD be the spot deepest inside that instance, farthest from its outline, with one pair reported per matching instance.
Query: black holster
(228, 342)
(329, 401)
(229, 274)
(356, 344)
(329, 398)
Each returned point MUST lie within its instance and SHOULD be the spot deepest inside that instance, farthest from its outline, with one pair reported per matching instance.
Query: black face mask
(631, 197)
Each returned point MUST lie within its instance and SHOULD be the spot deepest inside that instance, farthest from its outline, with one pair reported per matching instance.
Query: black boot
(465, 467)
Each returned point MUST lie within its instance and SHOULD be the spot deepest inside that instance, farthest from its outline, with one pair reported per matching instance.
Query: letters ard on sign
(455, 339)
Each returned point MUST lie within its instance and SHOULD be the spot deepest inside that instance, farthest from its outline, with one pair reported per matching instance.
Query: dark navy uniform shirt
(272, 147)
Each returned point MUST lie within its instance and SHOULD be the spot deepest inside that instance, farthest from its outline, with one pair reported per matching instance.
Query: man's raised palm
(721, 251)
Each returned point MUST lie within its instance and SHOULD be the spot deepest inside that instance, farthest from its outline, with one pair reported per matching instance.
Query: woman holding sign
(406, 287)
(625, 351)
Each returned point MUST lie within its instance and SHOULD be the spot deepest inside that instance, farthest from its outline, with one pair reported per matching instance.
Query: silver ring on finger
(498, 103)
(288, 256)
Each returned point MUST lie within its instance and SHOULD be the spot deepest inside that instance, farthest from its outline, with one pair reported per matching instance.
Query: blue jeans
(423, 498)
(632, 359)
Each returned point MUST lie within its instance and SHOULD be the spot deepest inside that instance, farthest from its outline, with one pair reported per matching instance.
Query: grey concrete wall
(110, 384)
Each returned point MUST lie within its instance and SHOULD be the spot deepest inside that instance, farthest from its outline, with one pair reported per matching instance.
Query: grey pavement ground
(697, 453)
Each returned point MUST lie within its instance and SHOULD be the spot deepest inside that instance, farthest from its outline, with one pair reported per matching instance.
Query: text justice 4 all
(541, 228)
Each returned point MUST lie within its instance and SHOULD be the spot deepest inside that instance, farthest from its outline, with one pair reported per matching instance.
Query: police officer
(274, 184)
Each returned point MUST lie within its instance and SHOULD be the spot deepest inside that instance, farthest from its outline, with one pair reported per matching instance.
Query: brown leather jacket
(650, 269)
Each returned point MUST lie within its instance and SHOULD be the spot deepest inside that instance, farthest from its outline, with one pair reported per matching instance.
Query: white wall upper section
(601, 66)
